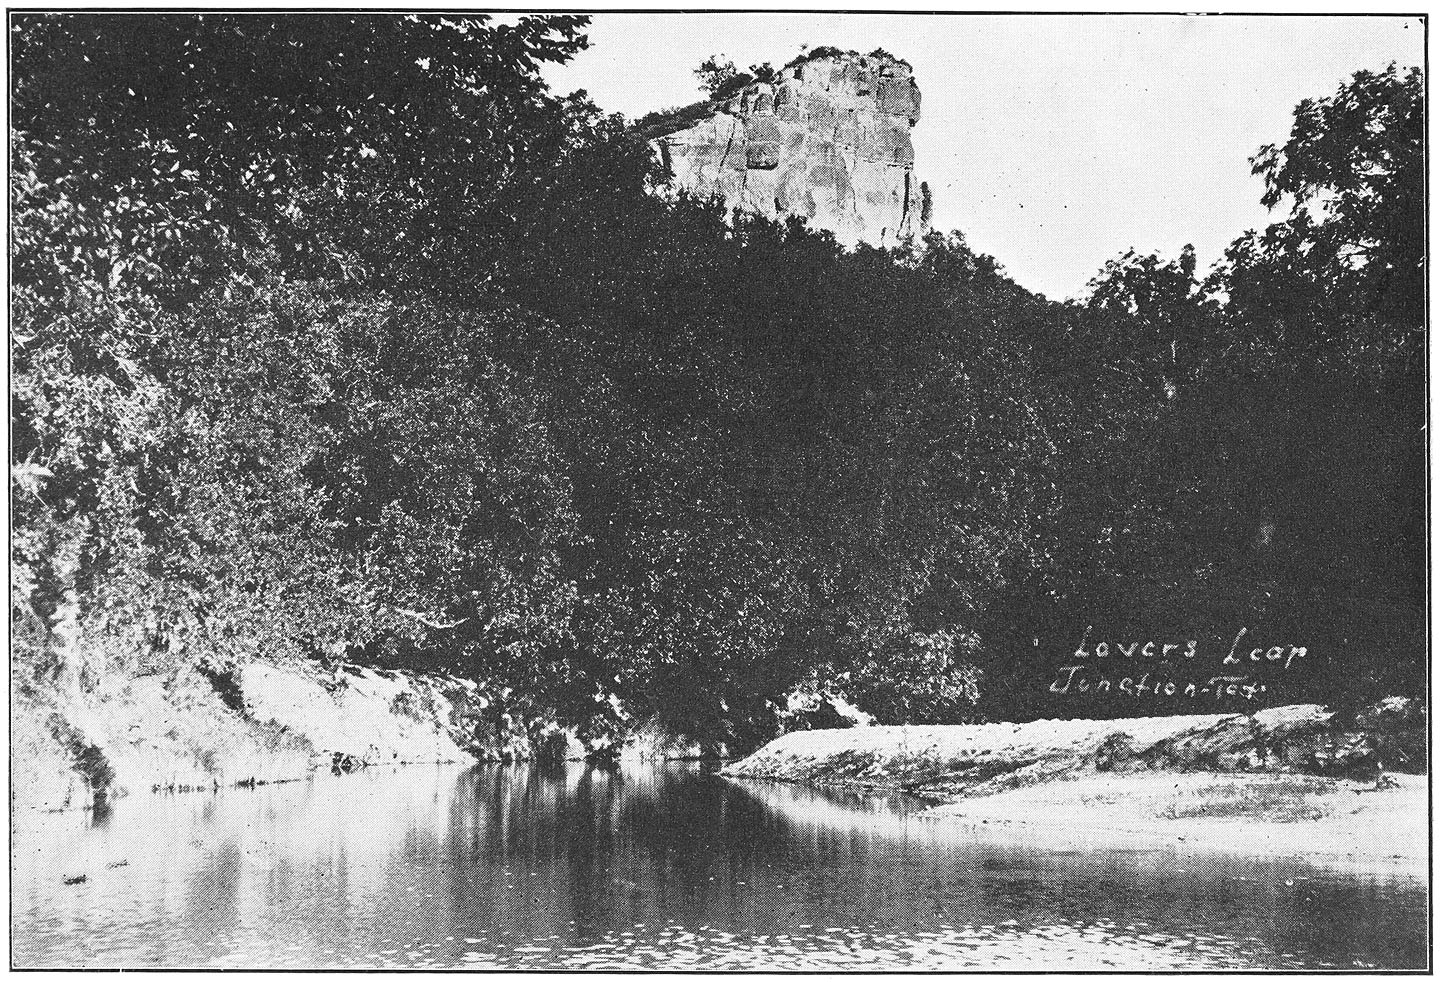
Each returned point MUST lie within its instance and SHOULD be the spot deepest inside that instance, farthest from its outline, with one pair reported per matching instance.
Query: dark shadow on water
(570, 866)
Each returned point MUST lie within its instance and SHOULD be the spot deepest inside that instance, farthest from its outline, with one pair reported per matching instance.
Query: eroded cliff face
(828, 140)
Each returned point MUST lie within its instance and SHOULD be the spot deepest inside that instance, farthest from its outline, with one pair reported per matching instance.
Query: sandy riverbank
(255, 722)
(1329, 822)
(264, 722)
(1291, 781)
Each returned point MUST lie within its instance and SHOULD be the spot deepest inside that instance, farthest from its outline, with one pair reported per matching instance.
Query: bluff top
(828, 140)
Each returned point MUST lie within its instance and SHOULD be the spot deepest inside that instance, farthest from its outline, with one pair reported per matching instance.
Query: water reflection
(514, 866)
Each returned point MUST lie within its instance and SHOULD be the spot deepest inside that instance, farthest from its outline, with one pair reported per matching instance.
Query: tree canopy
(342, 336)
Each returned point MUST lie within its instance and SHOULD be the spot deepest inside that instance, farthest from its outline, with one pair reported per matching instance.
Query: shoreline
(1383, 833)
(261, 722)
(1295, 782)
(1329, 823)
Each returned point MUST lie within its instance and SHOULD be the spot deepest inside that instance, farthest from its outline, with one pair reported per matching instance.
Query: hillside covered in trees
(342, 337)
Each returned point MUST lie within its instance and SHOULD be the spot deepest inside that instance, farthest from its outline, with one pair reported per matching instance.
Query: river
(663, 866)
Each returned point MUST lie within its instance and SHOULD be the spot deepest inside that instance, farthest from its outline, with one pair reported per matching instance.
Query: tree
(1154, 313)
(226, 438)
(1281, 485)
(1354, 172)
(1327, 307)
(413, 367)
(1342, 276)
(716, 74)
(327, 139)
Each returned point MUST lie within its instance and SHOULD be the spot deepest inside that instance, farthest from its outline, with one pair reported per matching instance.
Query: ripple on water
(510, 867)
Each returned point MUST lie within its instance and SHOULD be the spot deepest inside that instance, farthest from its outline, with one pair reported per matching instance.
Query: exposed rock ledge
(946, 762)
(828, 140)
(1296, 781)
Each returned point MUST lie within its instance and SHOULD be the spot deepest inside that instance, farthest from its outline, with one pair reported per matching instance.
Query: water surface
(664, 867)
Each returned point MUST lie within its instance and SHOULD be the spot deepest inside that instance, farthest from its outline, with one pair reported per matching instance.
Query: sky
(1052, 142)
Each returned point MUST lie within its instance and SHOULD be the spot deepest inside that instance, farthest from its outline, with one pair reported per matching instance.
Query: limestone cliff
(828, 140)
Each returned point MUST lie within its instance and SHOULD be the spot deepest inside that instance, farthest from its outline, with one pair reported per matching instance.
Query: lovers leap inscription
(1094, 671)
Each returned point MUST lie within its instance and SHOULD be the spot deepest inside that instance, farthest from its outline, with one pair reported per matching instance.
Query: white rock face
(829, 141)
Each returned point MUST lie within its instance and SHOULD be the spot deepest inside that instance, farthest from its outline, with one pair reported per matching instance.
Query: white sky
(1053, 142)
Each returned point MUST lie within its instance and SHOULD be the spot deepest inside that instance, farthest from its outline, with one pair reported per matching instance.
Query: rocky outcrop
(953, 761)
(828, 140)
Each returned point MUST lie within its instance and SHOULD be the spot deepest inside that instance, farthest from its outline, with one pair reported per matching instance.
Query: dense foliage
(1262, 462)
(340, 336)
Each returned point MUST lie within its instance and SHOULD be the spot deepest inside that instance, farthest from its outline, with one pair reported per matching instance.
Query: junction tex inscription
(1172, 669)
